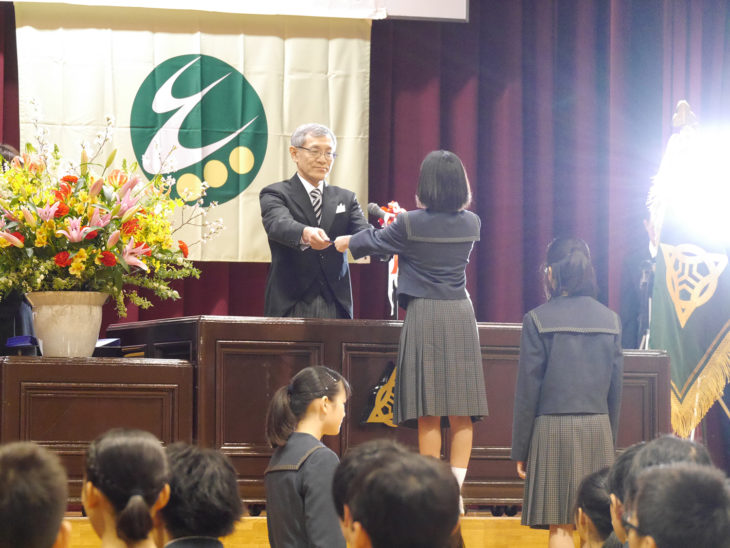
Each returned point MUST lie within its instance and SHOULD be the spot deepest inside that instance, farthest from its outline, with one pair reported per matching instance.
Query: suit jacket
(571, 363)
(286, 210)
(433, 250)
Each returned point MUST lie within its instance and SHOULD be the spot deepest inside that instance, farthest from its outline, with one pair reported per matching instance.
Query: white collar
(309, 187)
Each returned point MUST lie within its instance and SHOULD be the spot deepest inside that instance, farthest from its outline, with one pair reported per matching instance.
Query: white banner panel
(457, 10)
(225, 90)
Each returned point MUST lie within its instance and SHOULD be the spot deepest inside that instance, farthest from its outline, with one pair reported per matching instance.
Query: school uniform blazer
(286, 209)
(570, 363)
(433, 250)
(300, 512)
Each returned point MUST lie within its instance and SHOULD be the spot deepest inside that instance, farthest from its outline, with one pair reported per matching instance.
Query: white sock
(459, 474)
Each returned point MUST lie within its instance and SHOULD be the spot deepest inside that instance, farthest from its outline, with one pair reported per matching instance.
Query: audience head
(662, 450)
(410, 501)
(290, 403)
(680, 505)
(615, 482)
(8, 152)
(204, 499)
(593, 508)
(568, 269)
(442, 183)
(33, 493)
(126, 477)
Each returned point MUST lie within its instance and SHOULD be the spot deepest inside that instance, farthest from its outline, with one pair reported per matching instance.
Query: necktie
(316, 195)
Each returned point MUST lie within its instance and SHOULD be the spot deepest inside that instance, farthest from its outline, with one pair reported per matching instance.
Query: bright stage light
(693, 184)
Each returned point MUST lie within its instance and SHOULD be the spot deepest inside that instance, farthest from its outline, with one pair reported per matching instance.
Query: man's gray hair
(315, 130)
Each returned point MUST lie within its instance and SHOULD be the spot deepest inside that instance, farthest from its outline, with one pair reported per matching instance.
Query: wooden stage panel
(63, 404)
(240, 361)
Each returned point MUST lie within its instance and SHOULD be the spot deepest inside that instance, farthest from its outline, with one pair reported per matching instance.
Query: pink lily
(29, 219)
(47, 213)
(12, 239)
(96, 188)
(128, 187)
(127, 203)
(98, 220)
(113, 239)
(75, 233)
(9, 216)
(131, 252)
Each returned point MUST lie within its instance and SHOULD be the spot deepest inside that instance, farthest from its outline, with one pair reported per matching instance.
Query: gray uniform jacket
(300, 512)
(433, 250)
(570, 363)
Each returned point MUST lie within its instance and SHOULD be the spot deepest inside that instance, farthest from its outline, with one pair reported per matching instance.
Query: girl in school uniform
(568, 391)
(126, 484)
(300, 511)
(439, 378)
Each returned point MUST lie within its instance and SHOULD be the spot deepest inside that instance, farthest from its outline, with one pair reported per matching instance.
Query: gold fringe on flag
(704, 387)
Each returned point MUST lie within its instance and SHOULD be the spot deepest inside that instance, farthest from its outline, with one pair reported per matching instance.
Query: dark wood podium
(63, 404)
(240, 361)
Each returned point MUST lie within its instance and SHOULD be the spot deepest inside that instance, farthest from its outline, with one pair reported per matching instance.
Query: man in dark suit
(302, 216)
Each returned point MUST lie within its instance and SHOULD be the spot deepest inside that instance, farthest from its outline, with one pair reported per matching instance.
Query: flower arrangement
(67, 228)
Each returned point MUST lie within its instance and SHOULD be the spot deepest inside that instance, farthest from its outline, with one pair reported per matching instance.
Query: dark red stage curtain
(560, 110)
(9, 124)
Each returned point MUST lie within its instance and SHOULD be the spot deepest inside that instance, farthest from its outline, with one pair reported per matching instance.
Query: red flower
(93, 234)
(70, 178)
(19, 236)
(183, 248)
(131, 227)
(62, 259)
(107, 258)
(62, 210)
(146, 250)
(63, 192)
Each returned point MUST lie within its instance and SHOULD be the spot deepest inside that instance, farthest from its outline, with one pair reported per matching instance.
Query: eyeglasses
(628, 525)
(316, 153)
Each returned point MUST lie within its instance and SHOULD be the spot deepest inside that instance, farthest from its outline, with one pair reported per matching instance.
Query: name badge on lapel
(340, 209)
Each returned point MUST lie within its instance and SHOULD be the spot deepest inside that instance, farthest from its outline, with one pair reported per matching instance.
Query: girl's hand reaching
(342, 243)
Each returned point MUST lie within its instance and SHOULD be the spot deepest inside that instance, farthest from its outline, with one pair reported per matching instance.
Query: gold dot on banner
(189, 187)
(241, 160)
(215, 173)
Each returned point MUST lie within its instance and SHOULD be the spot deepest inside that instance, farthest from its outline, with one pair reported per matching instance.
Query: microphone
(376, 211)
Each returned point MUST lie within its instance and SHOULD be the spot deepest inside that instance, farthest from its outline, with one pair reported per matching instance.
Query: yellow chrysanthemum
(81, 255)
(76, 268)
(41, 238)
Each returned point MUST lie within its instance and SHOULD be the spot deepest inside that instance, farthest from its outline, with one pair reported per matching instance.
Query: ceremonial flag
(690, 315)
(209, 98)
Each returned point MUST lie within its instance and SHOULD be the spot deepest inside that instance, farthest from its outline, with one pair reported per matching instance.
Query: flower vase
(67, 323)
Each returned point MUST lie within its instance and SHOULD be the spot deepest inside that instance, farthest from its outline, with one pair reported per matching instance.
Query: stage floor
(478, 531)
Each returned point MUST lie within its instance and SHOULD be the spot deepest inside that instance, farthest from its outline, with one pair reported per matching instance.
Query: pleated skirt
(439, 369)
(563, 450)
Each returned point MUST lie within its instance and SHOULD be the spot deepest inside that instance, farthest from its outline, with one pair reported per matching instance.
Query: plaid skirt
(563, 450)
(439, 363)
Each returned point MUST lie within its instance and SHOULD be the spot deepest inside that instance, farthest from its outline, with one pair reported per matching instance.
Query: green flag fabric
(690, 315)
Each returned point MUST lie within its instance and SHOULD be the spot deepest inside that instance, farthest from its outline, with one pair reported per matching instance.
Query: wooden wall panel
(63, 404)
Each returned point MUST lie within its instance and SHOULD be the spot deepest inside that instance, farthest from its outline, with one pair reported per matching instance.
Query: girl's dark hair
(569, 260)
(290, 403)
(593, 498)
(130, 468)
(442, 183)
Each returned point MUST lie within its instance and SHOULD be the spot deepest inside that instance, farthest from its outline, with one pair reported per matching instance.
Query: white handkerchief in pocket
(340, 209)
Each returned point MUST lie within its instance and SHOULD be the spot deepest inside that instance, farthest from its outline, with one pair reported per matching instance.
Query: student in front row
(298, 480)
(125, 487)
(412, 501)
(33, 492)
(204, 501)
